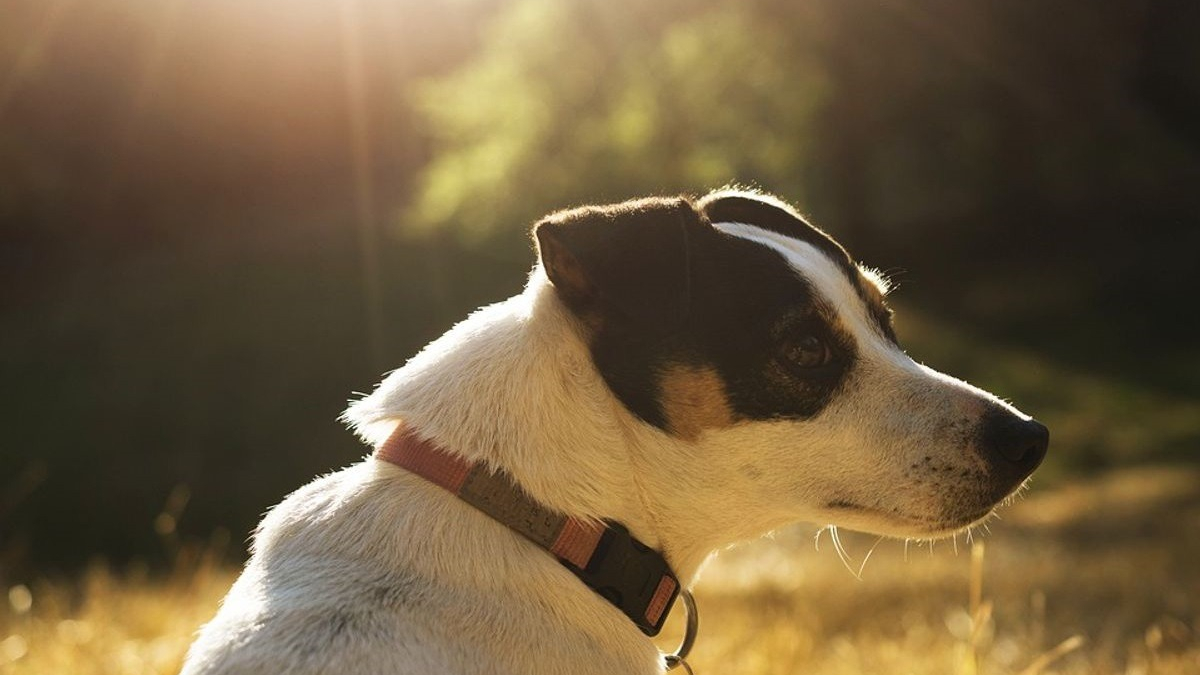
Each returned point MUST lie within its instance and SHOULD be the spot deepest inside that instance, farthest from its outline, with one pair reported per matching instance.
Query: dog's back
(350, 575)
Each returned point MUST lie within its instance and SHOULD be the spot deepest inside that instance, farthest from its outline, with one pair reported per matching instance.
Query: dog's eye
(807, 351)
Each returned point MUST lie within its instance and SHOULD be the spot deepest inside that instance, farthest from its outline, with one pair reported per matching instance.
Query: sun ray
(354, 68)
(33, 49)
(148, 77)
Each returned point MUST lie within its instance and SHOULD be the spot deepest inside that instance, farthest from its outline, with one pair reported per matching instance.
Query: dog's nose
(1015, 446)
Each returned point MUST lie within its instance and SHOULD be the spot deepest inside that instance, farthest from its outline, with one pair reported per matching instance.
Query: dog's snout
(1013, 445)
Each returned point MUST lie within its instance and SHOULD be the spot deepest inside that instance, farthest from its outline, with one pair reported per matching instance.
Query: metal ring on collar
(676, 659)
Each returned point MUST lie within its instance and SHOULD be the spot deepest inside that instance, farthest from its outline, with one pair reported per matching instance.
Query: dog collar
(632, 576)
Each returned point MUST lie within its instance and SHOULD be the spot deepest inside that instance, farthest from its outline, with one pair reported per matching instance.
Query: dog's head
(733, 324)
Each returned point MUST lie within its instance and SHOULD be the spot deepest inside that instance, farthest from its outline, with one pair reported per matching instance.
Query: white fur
(373, 570)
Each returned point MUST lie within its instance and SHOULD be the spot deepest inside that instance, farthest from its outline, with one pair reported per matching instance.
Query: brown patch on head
(694, 399)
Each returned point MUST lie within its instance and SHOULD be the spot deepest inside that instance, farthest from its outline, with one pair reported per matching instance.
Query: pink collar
(630, 575)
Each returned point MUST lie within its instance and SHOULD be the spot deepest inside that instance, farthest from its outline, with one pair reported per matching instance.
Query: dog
(677, 375)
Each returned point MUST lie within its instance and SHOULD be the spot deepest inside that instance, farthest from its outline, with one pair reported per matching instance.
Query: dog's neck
(514, 386)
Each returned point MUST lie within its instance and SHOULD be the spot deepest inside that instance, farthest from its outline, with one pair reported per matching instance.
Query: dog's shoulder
(313, 592)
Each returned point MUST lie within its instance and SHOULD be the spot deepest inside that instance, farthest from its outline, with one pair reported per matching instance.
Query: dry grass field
(1098, 578)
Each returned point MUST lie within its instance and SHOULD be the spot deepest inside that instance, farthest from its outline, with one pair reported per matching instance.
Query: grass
(108, 623)
(1095, 578)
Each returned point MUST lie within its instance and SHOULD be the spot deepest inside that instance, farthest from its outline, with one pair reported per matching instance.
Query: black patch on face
(742, 209)
(744, 304)
(665, 296)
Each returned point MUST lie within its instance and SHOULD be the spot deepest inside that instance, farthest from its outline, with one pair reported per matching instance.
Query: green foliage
(559, 110)
(976, 144)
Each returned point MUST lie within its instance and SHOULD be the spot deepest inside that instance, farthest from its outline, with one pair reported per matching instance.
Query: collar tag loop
(678, 658)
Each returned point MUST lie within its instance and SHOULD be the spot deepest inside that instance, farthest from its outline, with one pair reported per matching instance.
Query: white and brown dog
(677, 375)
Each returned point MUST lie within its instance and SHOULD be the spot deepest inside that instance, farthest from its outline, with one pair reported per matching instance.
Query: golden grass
(107, 624)
(1096, 578)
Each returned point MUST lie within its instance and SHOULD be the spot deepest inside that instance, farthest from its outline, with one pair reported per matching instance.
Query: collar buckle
(633, 577)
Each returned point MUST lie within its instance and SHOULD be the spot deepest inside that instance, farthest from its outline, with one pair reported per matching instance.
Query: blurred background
(220, 219)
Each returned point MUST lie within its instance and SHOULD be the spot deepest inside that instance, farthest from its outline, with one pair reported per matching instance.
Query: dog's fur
(655, 371)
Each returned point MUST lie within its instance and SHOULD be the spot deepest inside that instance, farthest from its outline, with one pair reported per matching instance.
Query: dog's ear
(625, 265)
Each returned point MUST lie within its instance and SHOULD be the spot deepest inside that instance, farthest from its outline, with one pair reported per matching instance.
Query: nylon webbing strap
(496, 495)
(627, 573)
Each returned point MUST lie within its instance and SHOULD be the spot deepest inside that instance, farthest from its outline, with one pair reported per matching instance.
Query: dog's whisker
(867, 557)
(841, 551)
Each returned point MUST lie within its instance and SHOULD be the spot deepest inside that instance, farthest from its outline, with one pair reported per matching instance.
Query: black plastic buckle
(630, 575)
